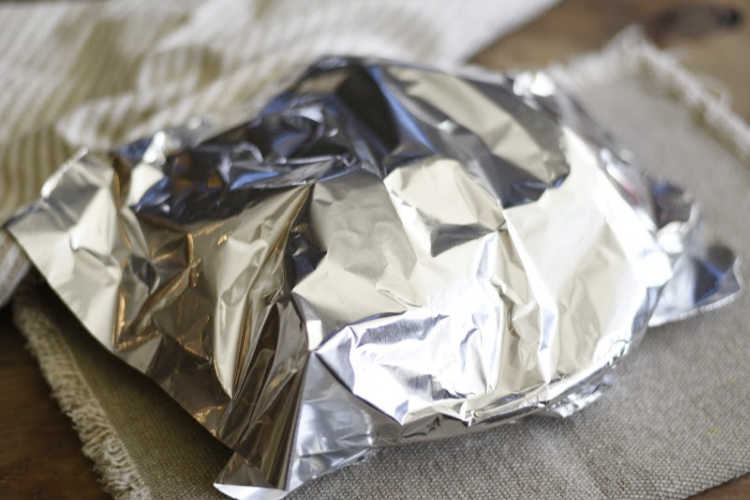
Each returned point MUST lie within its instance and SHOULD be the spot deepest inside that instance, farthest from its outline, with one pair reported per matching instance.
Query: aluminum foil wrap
(384, 254)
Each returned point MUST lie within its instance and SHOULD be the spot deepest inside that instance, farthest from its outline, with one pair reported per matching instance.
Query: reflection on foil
(385, 254)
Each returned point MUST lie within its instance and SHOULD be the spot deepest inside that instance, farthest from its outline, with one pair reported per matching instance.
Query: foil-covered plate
(384, 254)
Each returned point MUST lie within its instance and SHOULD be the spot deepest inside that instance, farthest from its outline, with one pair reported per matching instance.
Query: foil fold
(385, 254)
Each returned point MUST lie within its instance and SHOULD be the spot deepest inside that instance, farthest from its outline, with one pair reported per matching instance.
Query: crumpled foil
(385, 254)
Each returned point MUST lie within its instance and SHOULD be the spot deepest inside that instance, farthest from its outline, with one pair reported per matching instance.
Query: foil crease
(385, 254)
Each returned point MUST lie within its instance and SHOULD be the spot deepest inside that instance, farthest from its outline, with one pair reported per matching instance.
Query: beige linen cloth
(674, 424)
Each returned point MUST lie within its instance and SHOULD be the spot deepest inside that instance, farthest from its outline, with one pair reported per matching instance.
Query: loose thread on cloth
(101, 442)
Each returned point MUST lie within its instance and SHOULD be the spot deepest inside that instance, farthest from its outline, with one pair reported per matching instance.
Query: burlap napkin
(674, 424)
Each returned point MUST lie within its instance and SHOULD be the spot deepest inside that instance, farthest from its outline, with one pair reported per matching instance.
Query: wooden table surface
(711, 38)
(40, 454)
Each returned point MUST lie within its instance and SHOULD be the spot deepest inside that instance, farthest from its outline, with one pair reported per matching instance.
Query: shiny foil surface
(385, 254)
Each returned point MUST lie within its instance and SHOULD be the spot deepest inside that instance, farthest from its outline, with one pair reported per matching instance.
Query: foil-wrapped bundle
(385, 254)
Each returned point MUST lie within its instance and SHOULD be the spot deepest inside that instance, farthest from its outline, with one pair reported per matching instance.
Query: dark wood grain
(40, 454)
(711, 38)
